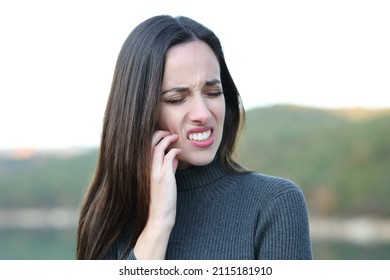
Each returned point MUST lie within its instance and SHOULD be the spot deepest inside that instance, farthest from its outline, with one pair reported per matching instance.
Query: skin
(192, 101)
(192, 106)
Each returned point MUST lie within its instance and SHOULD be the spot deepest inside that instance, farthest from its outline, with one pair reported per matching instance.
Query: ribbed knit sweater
(224, 215)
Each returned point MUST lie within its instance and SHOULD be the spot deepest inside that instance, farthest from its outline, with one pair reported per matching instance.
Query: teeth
(200, 136)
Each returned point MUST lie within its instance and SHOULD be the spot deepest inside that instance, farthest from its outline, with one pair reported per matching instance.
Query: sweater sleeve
(282, 231)
(131, 256)
(116, 253)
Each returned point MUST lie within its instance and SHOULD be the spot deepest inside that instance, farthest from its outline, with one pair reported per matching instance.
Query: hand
(153, 241)
(163, 194)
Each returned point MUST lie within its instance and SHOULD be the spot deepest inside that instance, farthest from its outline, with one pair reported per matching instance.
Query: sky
(57, 58)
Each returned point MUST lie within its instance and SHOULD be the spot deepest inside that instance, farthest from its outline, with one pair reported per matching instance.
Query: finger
(158, 135)
(170, 160)
(156, 139)
(162, 146)
(159, 151)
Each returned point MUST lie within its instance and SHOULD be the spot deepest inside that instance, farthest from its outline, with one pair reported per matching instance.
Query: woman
(166, 185)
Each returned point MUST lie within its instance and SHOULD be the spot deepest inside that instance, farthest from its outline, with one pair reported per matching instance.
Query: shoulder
(255, 181)
(265, 190)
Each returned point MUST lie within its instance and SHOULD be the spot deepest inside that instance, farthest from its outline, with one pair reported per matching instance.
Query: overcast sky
(57, 58)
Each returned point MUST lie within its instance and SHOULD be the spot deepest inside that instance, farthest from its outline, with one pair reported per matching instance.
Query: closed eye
(215, 94)
(174, 100)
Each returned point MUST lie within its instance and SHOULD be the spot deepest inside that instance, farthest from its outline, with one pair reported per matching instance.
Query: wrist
(153, 241)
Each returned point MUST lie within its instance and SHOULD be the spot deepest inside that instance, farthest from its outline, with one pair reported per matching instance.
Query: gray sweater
(222, 215)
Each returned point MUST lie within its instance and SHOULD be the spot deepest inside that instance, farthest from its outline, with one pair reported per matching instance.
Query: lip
(205, 143)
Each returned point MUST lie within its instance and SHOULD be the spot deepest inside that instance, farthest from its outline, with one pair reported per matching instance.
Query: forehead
(191, 62)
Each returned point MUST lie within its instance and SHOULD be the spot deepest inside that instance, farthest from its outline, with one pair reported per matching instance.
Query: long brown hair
(119, 194)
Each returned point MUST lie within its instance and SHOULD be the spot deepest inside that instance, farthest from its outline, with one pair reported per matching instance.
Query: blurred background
(314, 79)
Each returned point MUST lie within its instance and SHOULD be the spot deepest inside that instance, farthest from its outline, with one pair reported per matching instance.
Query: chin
(195, 160)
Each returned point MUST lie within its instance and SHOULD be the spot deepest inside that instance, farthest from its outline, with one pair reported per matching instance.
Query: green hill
(340, 158)
(45, 179)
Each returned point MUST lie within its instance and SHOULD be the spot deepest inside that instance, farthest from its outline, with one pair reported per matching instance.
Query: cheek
(166, 119)
(220, 111)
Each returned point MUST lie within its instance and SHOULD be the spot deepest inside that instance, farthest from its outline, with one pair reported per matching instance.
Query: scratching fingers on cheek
(160, 144)
(158, 135)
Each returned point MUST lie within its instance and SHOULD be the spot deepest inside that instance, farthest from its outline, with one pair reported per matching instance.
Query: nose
(199, 111)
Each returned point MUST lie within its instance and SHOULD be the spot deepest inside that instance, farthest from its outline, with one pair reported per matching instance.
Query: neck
(199, 176)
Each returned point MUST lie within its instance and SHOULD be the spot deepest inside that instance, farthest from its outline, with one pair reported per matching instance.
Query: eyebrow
(213, 82)
(183, 89)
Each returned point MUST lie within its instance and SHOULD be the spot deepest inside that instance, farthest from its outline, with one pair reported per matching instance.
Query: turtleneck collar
(199, 176)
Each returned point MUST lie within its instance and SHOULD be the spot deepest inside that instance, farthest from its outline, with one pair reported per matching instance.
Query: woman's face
(192, 102)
